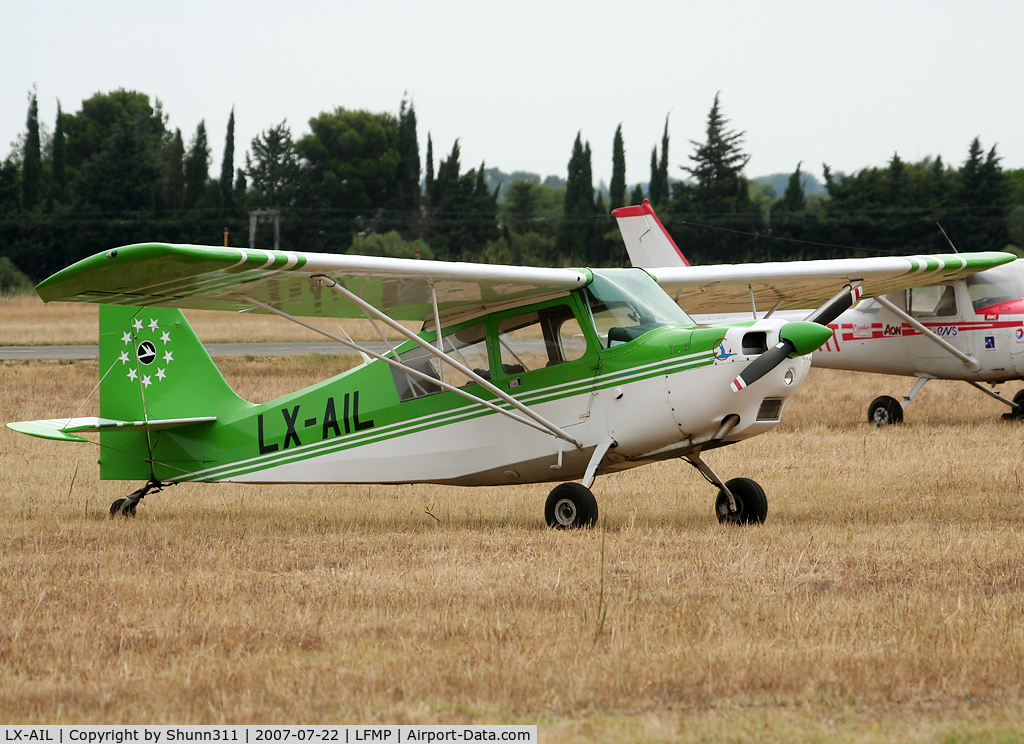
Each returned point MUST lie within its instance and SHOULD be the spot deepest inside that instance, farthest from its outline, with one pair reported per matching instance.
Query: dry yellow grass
(26, 320)
(882, 601)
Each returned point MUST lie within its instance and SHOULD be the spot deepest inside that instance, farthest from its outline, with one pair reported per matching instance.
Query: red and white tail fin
(647, 241)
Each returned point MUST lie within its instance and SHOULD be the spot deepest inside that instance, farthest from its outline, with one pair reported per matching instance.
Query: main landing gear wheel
(751, 503)
(569, 506)
(885, 410)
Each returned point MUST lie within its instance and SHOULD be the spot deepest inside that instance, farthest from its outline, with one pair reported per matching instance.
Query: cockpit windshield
(626, 303)
(997, 286)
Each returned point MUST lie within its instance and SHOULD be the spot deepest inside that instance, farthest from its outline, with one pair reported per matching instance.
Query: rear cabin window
(468, 346)
(936, 301)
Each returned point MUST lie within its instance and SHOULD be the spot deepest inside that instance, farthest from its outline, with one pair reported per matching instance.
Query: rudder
(647, 241)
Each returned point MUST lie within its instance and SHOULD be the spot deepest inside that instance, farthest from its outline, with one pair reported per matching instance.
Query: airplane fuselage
(972, 315)
(660, 395)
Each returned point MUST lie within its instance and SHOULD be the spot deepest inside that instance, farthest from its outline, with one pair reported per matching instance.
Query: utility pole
(265, 215)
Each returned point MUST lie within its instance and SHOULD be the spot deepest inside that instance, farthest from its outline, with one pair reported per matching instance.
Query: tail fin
(152, 366)
(647, 241)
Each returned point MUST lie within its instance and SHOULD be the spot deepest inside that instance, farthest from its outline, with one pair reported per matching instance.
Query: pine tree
(59, 160)
(718, 164)
(241, 185)
(654, 187)
(637, 197)
(227, 166)
(273, 168)
(578, 210)
(464, 211)
(980, 200)
(521, 198)
(407, 178)
(662, 174)
(430, 187)
(174, 173)
(31, 159)
(793, 199)
(617, 193)
(197, 167)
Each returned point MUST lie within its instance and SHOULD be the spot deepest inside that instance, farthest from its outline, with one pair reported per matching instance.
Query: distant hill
(779, 182)
(495, 178)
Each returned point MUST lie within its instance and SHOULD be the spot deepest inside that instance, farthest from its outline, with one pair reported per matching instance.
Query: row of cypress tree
(113, 173)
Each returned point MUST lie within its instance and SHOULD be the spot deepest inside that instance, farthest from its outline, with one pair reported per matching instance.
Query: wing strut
(549, 429)
(431, 349)
(970, 362)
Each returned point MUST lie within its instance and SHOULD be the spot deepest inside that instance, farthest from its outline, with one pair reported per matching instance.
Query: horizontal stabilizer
(67, 429)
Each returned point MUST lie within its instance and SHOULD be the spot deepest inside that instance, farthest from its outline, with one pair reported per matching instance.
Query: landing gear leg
(739, 501)
(1017, 411)
(1016, 405)
(885, 410)
(126, 507)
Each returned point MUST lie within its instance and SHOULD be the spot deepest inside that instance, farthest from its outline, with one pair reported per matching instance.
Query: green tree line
(113, 173)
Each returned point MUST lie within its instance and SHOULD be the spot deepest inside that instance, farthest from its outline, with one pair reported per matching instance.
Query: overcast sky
(847, 84)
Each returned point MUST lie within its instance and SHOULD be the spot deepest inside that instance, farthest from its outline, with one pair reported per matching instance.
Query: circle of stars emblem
(150, 342)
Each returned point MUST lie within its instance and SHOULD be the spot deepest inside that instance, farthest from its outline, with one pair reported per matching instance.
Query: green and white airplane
(537, 374)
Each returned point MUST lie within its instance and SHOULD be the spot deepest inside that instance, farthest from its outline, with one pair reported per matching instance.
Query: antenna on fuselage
(947, 238)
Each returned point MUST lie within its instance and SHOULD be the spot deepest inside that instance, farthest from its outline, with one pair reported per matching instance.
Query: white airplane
(968, 328)
(519, 374)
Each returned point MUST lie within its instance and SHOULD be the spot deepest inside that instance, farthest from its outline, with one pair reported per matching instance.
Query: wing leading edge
(802, 284)
(212, 278)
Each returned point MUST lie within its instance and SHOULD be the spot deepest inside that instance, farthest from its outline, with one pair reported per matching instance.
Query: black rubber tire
(116, 509)
(885, 410)
(1018, 398)
(570, 506)
(751, 502)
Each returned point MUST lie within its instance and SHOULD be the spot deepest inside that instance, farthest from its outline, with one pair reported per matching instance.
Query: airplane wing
(214, 278)
(727, 288)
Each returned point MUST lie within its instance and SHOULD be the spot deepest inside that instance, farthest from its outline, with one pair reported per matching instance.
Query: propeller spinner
(799, 337)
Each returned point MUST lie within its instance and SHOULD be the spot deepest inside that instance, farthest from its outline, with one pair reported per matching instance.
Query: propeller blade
(837, 305)
(764, 364)
(800, 337)
(795, 339)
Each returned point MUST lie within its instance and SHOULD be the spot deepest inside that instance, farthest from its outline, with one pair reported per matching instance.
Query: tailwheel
(123, 508)
(885, 410)
(751, 502)
(126, 507)
(570, 506)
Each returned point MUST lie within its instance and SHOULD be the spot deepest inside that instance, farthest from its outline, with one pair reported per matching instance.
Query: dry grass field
(28, 321)
(883, 600)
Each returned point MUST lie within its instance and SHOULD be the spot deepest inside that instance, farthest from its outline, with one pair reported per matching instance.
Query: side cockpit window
(540, 338)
